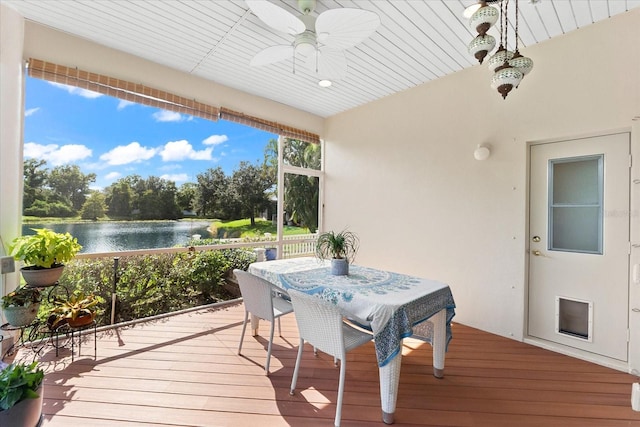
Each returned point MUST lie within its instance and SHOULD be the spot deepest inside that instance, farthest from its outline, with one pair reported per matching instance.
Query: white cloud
(215, 140)
(178, 177)
(77, 91)
(123, 104)
(31, 111)
(112, 176)
(125, 154)
(175, 151)
(167, 116)
(56, 155)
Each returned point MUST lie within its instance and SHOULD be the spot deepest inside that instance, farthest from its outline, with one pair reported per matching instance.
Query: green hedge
(153, 284)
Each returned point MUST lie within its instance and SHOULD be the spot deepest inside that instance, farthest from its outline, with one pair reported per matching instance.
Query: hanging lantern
(501, 56)
(505, 79)
(483, 18)
(481, 45)
(509, 67)
(522, 63)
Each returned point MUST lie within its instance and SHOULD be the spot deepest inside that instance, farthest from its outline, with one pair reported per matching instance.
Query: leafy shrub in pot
(20, 307)
(20, 394)
(44, 251)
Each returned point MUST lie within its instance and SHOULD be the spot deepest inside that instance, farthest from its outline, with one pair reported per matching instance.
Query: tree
(212, 188)
(271, 159)
(158, 199)
(119, 198)
(301, 192)
(35, 178)
(94, 207)
(186, 196)
(249, 183)
(70, 184)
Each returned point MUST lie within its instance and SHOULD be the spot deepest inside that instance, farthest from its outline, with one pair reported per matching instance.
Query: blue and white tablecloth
(393, 305)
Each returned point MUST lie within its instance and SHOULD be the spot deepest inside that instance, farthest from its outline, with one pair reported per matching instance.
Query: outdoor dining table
(394, 306)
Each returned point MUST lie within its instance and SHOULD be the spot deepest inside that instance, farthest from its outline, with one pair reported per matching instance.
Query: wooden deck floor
(184, 371)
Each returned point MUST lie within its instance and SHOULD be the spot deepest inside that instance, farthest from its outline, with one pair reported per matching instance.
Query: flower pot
(41, 277)
(339, 267)
(271, 253)
(21, 316)
(26, 413)
(81, 321)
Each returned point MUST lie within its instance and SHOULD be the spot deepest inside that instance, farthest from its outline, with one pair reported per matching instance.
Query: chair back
(319, 323)
(256, 294)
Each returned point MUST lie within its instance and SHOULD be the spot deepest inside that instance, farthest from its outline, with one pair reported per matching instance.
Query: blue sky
(114, 138)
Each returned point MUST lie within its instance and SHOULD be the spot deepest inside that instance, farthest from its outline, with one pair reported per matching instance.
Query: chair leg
(244, 328)
(279, 327)
(340, 392)
(266, 366)
(294, 379)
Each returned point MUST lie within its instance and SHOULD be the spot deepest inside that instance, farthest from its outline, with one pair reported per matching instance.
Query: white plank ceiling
(417, 41)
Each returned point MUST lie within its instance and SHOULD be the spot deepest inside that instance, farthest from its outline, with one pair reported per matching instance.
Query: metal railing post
(116, 260)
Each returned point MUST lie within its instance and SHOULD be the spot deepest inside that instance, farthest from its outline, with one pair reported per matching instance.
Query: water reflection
(123, 236)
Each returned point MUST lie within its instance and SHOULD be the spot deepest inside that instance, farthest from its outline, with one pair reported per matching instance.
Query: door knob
(536, 253)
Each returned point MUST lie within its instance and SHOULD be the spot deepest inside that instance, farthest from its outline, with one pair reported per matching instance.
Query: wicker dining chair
(263, 300)
(320, 323)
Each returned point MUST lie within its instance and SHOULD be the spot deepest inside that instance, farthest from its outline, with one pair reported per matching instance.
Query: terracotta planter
(41, 277)
(21, 316)
(81, 320)
(25, 413)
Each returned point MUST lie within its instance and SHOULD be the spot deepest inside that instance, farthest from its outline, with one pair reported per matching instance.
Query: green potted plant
(21, 306)
(340, 247)
(21, 394)
(76, 311)
(44, 254)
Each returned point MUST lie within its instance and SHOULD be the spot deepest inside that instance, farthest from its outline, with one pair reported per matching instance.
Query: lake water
(122, 236)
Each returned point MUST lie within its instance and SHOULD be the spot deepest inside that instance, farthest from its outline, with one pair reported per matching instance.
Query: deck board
(184, 371)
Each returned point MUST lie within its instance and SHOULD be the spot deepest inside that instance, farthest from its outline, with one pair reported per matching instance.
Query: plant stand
(34, 334)
(77, 333)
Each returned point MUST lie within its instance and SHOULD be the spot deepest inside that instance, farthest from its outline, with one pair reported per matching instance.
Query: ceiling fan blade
(327, 63)
(272, 54)
(276, 17)
(343, 28)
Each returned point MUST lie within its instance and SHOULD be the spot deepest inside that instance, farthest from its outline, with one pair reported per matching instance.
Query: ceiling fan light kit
(509, 67)
(318, 41)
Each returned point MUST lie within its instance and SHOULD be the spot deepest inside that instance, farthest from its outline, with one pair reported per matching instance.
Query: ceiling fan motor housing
(305, 43)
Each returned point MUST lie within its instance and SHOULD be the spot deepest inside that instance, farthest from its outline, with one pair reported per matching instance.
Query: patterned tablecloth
(393, 305)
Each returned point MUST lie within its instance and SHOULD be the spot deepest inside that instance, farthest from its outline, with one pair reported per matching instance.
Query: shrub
(239, 258)
(154, 284)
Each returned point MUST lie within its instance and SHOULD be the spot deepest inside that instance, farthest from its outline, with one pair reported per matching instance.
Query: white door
(579, 243)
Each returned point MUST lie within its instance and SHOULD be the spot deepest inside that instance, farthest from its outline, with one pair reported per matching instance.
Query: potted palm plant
(21, 306)
(44, 255)
(78, 310)
(21, 394)
(340, 247)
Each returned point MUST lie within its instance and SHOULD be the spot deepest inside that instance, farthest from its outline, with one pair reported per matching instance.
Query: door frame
(633, 364)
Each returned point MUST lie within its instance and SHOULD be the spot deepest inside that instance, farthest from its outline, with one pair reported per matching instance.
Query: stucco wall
(401, 173)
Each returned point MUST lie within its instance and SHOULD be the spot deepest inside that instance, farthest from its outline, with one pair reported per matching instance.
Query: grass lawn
(242, 228)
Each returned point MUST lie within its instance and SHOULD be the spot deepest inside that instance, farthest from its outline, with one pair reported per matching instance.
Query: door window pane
(575, 204)
(576, 182)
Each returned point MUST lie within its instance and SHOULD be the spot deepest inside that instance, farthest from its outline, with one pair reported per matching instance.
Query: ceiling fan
(318, 42)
